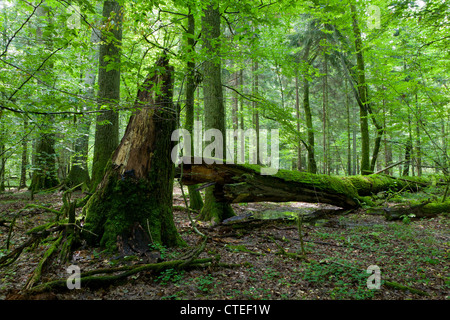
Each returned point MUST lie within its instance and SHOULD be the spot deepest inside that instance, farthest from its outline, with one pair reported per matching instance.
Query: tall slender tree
(45, 173)
(79, 171)
(195, 198)
(107, 126)
(213, 100)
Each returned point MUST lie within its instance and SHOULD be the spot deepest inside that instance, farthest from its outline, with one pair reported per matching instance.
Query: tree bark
(107, 126)
(79, 172)
(137, 185)
(255, 89)
(195, 198)
(45, 173)
(326, 133)
(24, 163)
(213, 100)
(297, 113)
(243, 183)
(362, 93)
(312, 166)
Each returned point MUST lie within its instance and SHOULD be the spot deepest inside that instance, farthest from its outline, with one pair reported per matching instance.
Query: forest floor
(339, 250)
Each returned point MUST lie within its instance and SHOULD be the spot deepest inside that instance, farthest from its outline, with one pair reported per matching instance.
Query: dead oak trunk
(138, 181)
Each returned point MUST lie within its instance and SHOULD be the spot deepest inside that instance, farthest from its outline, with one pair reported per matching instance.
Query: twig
(389, 167)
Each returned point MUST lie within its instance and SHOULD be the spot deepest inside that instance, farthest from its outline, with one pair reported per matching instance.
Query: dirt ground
(260, 259)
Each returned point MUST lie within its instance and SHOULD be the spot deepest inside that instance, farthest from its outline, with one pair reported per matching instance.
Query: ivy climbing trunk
(213, 99)
(107, 126)
(137, 187)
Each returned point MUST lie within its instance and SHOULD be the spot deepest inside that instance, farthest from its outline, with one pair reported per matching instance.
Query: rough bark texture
(45, 174)
(195, 198)
(137, 186)
(79, 172)
(107, 128)
(24, 164)
(213, 99)
(244, 183)
(426, 209)
(312, 166)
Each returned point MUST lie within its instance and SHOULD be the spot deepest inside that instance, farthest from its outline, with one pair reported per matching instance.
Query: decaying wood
(138, 181)
(236, 183)
(426, 209)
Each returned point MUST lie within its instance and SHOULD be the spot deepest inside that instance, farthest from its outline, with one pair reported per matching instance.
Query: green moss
(319, 181)
(242, 248)
(45, 226)
(215, 211)
(437, 207)
(116, 207)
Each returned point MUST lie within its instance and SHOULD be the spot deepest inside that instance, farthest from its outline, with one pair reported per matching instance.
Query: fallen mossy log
(236, 183)
(426, 209)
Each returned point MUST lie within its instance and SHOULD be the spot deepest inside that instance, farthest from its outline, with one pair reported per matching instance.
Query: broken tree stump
(138, 181)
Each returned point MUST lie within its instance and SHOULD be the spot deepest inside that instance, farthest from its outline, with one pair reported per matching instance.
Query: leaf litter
(338, 253)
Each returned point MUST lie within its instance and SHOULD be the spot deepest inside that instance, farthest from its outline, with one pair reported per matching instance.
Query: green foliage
(342, 278)
(205, 283)
(170, 276)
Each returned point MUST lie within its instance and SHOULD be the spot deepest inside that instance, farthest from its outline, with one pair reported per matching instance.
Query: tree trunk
(408, 149)
(297, 111)
(326, 148)
(45, 172)
(241, 99)
(213, 101)
(312, 166)
(24, 164)
(418, 149)
(195, 198)
(349, 147)
(2, 157)
(107, 126)
(79, 172)
(364, 115)
(255, 90)
(243, 183)
(426, 209)
(136, 189)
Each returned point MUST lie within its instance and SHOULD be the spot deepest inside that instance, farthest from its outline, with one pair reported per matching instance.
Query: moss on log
(235, 183)
(425, 209)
